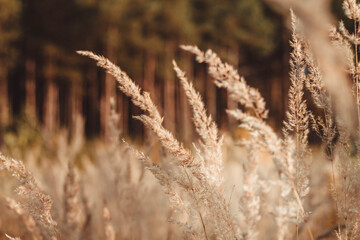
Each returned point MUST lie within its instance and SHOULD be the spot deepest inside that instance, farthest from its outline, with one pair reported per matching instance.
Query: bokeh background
(56, 116)
(45, 85)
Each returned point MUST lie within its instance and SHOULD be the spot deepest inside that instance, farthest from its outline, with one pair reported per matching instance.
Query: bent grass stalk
(200, 181)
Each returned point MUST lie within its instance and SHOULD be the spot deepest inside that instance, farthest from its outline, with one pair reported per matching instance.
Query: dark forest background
(45, 84)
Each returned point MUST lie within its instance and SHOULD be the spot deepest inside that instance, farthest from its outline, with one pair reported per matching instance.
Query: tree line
(42, 78)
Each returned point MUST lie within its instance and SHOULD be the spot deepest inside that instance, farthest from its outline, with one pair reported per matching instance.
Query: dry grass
(271, 188)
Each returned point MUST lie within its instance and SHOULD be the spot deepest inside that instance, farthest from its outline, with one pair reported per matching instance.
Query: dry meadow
(266, 184)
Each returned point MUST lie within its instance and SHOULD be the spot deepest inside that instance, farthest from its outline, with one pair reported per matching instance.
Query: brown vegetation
(216, 190)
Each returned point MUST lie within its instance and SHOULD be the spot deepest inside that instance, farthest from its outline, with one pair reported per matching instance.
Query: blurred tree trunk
(51, 101)
(92, 102)
(110, 82)
(149, 76)
(30, 88)
(285, 83)
(149, 81)
(122, 105)
(233, 56)
(4, 101)
(169, 87)
(280, 84)
(185, 116)
(221, 96)
(221, 106)
(210, 93)
(75, 106)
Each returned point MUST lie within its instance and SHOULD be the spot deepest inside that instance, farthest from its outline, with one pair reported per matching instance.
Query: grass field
(266, 185)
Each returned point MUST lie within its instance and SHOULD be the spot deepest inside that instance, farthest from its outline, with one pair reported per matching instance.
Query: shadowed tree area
(50, 85)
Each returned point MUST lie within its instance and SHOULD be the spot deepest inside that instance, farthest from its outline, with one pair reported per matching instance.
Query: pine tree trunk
(109, 84)
(280, 87)
(149, 76)
(149, 86)
(51, 101)
(75, 107)
(92, 102)
(233, 56)
(4, 100)
(210, 92)
(220, 101)
(184, 120)
(30, 88)
(169, 88)
(123, 111)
